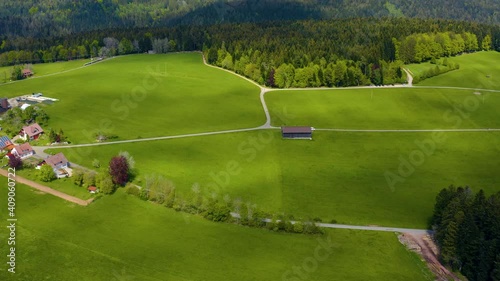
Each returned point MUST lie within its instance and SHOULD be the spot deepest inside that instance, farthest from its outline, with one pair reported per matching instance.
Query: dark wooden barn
(296, 132)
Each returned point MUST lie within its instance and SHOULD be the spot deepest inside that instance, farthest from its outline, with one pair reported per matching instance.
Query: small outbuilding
(297, 132)
(27, 73)
(92, 189)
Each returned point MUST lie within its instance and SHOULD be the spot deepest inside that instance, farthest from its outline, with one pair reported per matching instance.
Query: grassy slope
(381, 108)
(337, 176)
(46, 68)
(123, 238)
(473, 72)
(182, 96)
(65, 185)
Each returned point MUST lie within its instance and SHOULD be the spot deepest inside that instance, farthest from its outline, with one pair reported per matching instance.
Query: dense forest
(311, 53)
(467, 229)
(47, 18)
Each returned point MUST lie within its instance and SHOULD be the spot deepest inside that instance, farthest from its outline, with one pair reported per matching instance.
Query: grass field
(336, 176)
(473, 73)
(145, 96)
(123, 238)
(45, 68)
(382, 108)
(65, 185)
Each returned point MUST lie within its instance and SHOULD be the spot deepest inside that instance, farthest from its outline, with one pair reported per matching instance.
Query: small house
(27, 73)
(31, 132)
(23, 151)
(59, 164)
(92, 189)
(296, 132)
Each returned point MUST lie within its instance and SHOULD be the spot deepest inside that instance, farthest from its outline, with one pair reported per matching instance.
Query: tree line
(421, 47)
(279, 54)
(160, 190)
(467, 231)
(46, 18)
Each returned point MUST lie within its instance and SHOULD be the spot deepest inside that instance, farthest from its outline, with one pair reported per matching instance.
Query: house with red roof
(31, 132)
(23, 151)
(27, 73)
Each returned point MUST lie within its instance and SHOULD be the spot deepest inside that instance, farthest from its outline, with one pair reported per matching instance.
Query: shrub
(15, 162)
(133, 190)
(298, 227)
(46, 173)
(78, 177)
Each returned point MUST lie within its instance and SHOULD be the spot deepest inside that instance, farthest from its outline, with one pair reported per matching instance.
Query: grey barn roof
(296, 130)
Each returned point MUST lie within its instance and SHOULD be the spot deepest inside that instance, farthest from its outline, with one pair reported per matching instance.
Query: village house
(31, 132)
(23, 151)
(59, 164)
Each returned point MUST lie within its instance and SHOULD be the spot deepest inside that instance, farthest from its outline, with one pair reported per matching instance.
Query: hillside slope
(59, 17)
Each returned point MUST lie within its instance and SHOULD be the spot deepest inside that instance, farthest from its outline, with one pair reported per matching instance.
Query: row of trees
(421, 47)
(439, 69)
(106, 47)
(322, 73)
(467, 230)
(318, 53)
(162, 191)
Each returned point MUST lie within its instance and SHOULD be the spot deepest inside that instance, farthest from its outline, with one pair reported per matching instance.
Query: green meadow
(339, 176)
(120, 237)
(145, 96)
(385, 108)
(42, 69)
(374, 178)
(479, 70)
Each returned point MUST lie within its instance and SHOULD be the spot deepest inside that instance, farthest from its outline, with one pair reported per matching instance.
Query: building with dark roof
(296, 132)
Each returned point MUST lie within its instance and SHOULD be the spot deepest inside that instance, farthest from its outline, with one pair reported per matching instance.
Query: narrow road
(56, 73)
(359, 227)
(48, 190)
(408, 131)
(42, 148)
(376, 228)
(263, 91)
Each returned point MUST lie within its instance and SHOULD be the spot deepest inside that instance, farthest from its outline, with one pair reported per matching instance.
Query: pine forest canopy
(44, 18)
(343, 52)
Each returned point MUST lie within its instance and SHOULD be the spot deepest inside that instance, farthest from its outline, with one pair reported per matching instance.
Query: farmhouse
(5, 143)
(23, 151)
(31, 132)
(59, 164)
(296, 132)
(27, 73)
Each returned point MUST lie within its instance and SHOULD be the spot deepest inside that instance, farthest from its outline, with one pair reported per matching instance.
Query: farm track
(48, 190)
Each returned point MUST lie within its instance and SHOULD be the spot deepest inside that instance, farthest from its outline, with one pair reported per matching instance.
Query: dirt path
(423, 245)
(49, 190)
(410, 77)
